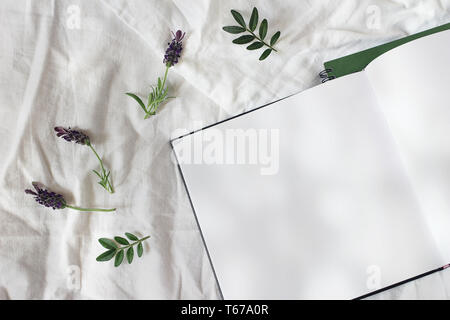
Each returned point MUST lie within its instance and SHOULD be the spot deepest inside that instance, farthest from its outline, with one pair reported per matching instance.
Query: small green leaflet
(255, 45)
(251, 36)
(244, 39)
(106, 256)
(238, 17)
(140, 249)
(130, 254)
(253, 20)
(107, 243)
(265, 54)
(263, 29)
(131, 236)
(274, 38)
(119, 258)
(121, 240)
(234, 29)
(121, 247)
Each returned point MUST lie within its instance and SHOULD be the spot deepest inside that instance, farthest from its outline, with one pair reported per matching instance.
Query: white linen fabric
(70, 62)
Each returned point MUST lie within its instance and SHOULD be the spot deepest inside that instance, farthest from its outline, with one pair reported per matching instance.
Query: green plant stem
(165, 76)
(98, 157)
(89, 209)
(259, 39)
(132, 244)
(110, 188)
(154, 106)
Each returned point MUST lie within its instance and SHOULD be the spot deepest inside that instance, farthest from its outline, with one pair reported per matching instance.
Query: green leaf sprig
(157, 96)
(116, 250)
(77, 136)
(262, 32)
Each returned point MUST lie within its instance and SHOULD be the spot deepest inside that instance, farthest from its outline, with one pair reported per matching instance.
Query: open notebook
(353, 194)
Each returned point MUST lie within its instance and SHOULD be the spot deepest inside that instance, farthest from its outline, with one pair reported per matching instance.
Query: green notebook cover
(358, 61)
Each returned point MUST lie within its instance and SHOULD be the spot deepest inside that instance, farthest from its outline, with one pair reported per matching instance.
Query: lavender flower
(81, 138)
(160, 91)
(173, 52)
(47, 198)
(54, 200)
(72, 135)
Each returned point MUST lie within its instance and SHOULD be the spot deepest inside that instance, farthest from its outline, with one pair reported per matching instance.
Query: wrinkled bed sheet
(57, 70)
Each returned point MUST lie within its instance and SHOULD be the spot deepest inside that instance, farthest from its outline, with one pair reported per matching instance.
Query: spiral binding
(324, 75)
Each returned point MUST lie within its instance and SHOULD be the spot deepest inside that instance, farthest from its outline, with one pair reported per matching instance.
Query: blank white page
(337, 220)
(412, 85)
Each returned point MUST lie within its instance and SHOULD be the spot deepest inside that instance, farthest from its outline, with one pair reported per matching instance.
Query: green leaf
(131, 236)
(119, 258)
(121, 240)
(263, 29)
(233, 29)
(151, 97)
(97, 174)
(253, 19)
(140, 249)
(238, 17)
(107, 255)
(255, 45)
(135, 97)
(159, 83)
(274, 38)
(244, 39)
(130, 254)
(265, 54)
(107, 243)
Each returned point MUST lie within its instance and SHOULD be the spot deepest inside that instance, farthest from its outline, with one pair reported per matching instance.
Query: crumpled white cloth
(59, 71)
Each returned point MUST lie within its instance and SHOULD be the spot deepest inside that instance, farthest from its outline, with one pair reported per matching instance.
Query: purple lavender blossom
(47, 198)
(173, 52)
(54, 200)
(72, 135)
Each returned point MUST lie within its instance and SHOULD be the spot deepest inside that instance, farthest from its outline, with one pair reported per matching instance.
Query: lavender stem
(110, 188)
(89, 209)
(165, 76)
